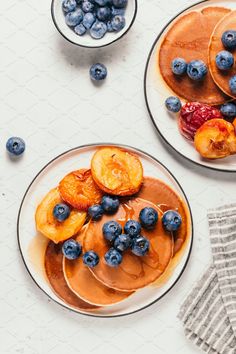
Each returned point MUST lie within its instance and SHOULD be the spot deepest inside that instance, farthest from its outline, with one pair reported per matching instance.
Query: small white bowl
(86, 40)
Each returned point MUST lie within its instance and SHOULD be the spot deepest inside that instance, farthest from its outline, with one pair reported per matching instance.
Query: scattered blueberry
(111, 230)
(171, 220)
(179, 66)
(113, 257)
(120, 3)
(110, 204)
(122, 242)
(229, 39)
(15, 146)
(132, 228)
(74, 18)
(148, 218)
(104, 13)
(80, 29)
(87, 6)
(140, 246)
(71, 249)
(228, 110)
(232, 84)
(98, 30)
(96, 212)
(224, 60)
(69, 5)
(196, 70)
(88, 20)
(118, 23)
(173, 104)
(91, 259)
(61, 212)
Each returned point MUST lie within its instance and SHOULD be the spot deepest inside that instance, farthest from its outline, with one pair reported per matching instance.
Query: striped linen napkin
(209, 312)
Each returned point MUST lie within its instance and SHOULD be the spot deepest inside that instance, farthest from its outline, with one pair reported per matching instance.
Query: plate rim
(93, 145)
(212, 168)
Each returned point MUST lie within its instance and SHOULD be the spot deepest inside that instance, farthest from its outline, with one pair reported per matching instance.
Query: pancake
(189, 38)
(82, 282)
(54, 271)
(134, 272)
(159, 193)
(221, 78)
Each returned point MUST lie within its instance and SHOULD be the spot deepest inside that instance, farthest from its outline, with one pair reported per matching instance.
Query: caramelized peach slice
(79, 190)
(117, 171)
(49, 226)
(215, 139)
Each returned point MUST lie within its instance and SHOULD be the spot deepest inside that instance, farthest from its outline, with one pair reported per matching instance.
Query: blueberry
(171, 220)
(80, 29)
(74, 18)
(173, 104)
(111, 230)
(71, 249)
(229, 39)
(68, 5)
(15, 146)
(118, 23)
(132, 228)
(96, 212)
(61, 212)
(148, 218)
(113, 257)
(88, 20)
(115, 11)
(224, 60)
(140, 246)
(122, 242)
(102, 2)
(109, 27)
(91, 259)
(232, 84)
(228, 110)
(179, 66)
(120, 3)
(110, 204)
(98, 30)
(197, 70)
(103, 13)
(87, 6)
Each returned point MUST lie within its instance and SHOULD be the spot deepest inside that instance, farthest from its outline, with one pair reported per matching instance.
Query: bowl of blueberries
(93, 23)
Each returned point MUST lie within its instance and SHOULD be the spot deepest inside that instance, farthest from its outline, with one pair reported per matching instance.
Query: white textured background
(47, 98)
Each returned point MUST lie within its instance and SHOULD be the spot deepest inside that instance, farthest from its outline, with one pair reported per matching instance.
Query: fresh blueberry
(229, 39)
(88, 20)
(132, 228)
(122, 242)
(80, 29)
(171, 220)
(104, 13)
(118, 23)
(110, 204)
(98, 30)
(173, 104)
(113, 257)
(224, 60)
(61, 212)
(120, 3)
(91, 259)
(197, 70)
(179, 66)
(232, 84)
(15, 146)
(140, 246)
(74, 18)
(115, 11)
(96, 212)
(71, 249)
(68, 5)
(87, 6)
(109, 27)
(111, 230)
(228, 110)
(102, 2)
(148, 218)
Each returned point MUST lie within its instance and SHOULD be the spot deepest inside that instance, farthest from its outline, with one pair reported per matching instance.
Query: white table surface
(48, 99)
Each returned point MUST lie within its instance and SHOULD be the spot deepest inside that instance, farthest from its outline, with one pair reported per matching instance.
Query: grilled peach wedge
(117, 171)
(49, 226)
(216, 139)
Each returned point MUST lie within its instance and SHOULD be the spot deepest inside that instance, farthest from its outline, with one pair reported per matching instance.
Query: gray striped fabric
(209, 312)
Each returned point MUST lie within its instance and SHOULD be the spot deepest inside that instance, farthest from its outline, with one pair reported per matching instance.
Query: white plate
(48, 178)
(86, 40)
(156, 92)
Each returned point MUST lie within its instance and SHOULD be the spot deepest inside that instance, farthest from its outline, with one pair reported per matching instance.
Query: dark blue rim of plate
(96, 46)
(146, 98)
(100, 145)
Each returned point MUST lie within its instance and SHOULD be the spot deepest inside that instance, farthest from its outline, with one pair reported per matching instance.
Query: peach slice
(117, 171)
